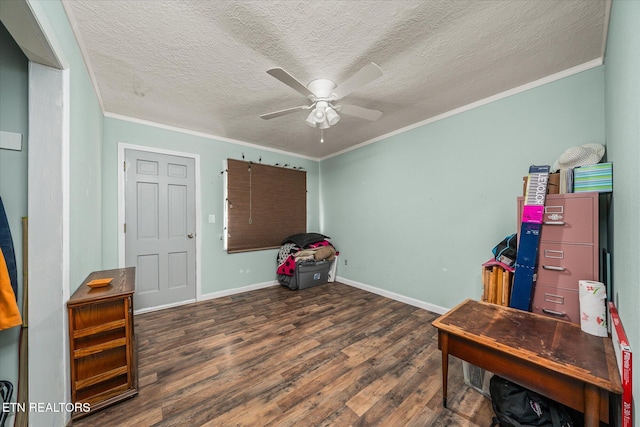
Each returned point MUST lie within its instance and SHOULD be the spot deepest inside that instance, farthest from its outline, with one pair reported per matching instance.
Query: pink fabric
(288, 267)
(319, 244)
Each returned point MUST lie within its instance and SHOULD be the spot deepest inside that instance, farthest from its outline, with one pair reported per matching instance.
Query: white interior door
(160, 228)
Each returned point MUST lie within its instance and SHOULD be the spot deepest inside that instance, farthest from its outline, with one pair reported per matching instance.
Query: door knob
(190, 235)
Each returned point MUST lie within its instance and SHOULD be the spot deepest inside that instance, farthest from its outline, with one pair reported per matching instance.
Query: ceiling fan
(323, 95)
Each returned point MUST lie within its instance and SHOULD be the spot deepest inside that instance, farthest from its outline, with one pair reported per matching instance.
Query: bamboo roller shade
(266, 204)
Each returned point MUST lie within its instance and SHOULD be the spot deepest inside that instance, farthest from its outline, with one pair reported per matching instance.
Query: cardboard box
(552, 188)
(597, 177)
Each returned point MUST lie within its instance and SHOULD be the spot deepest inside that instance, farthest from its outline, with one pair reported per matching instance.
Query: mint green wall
(622, 84)
(418, 213)
(220, 271)
(85, 148)
(14, 87)
(85, 186)
(85, 157)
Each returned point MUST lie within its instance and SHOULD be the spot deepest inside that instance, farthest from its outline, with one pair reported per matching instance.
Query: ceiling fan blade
(284, 112)
(360, 112)
(290, 81)
(366, 75)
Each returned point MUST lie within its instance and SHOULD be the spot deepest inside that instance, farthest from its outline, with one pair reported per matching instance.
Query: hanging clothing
(6, 244)
(9, 312)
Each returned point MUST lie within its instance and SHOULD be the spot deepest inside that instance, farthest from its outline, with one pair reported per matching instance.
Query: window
(265, 204)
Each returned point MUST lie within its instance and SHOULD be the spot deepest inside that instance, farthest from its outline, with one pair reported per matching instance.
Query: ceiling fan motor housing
(322, 89)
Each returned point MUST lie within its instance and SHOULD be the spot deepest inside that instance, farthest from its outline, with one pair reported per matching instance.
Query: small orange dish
(99, 283)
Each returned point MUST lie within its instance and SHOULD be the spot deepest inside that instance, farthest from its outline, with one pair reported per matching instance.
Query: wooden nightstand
(101, 341)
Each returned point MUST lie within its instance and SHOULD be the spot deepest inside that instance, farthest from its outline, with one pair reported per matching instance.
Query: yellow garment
(9, 313)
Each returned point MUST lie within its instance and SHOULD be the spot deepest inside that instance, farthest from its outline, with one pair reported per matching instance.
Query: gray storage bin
(308, 274)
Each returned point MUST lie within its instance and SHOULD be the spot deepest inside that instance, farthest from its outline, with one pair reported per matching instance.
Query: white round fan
(323, 95)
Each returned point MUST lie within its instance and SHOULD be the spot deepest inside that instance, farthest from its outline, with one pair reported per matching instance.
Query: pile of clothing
(300, 248)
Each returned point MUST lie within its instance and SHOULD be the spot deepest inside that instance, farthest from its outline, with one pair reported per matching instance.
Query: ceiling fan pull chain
(250, 193)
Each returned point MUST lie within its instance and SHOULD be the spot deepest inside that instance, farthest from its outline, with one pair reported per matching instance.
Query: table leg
(444, 347)
(591, 406)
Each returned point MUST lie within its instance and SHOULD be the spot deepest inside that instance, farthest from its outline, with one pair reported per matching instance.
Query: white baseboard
(227, 292)
(162, 307)
(407, 300)
(234, 291)
(212, 295)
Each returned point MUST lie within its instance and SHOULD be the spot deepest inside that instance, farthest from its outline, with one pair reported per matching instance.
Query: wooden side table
(549, 356)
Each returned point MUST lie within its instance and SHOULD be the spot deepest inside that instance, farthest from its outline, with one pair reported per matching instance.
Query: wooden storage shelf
(116, 324)
(109, 397)
(497, 281)
(101, 340)
(101, 377)
(98, 348)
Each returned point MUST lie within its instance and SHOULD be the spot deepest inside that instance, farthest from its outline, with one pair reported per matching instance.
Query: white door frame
(122, 146)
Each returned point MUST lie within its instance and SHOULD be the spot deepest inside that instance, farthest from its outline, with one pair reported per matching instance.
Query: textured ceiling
(201, 65)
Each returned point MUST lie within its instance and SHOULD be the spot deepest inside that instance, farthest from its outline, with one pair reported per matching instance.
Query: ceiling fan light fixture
(332, 116)
(319, 113)
(311, 119)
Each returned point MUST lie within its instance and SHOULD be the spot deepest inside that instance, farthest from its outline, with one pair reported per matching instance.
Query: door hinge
(124, 166)
(125, 227)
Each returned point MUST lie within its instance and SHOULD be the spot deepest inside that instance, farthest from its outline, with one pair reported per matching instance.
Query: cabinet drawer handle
(554, 299)
(554, 313)
(554, 209)
(554, 223)
(553, 267)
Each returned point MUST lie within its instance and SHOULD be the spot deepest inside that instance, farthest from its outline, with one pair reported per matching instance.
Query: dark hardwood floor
(332, 355)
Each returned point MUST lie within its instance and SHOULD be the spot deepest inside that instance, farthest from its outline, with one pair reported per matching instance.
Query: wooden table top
(553, 344)
(123, 283)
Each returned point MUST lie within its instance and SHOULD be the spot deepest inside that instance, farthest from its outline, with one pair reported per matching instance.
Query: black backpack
(506, 251)
(516, 406)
